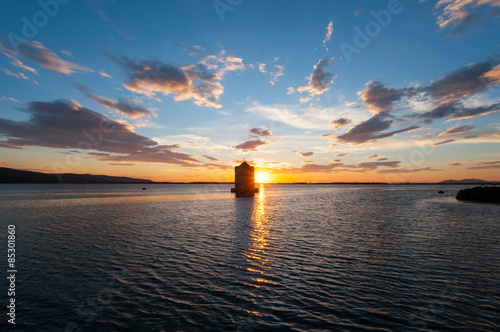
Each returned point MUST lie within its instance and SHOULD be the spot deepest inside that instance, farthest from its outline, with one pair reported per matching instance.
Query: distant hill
(9, 175)
(469, 181)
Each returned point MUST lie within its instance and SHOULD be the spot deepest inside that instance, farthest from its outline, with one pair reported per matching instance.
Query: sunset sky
(314, 91)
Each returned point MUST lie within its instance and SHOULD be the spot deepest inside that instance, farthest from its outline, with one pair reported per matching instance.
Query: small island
(489, 194)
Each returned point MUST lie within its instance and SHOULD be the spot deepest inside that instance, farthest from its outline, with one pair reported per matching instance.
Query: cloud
(277, 73)
(319, 79)
(349, 103)
(406, 170)
(486, 165)
(295, 116)
(211, 158)
(37, 53)
(463, 82)
(443, 142)
(493, 75)
(104, 74)
(200, 82)
(329, 31)
(373, 156)
(18, 63)
(254, 142)
(121, 164)
(262, 68)
(378, 98)
(10, 99)
(342, 154)
(124, 106)
(455, 110)
(371, 130)
(340, 122)
(251, 145)
(311, 167)
(456, 130)
(454, 164)
(306, 154)
(261, 132)
(64, 124)
(457, 15)
(18, 75)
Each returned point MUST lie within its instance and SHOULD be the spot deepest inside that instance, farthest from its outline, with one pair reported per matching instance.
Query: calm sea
(293, 258)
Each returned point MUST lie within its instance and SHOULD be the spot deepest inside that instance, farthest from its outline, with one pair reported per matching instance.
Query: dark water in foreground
(295, 257)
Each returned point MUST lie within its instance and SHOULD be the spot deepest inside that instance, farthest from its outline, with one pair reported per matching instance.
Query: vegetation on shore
(480, 194)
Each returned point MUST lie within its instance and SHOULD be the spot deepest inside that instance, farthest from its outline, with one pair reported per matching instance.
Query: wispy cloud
(443, 142)
(37, 53)
(329, 32)
(456, 130)
(457, 15)
(124, 106)
(16, 75)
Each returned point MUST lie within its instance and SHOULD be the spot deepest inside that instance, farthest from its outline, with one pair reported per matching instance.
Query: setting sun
(261, 177)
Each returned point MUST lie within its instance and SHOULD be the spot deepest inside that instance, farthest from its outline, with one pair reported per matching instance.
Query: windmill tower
(244, 183)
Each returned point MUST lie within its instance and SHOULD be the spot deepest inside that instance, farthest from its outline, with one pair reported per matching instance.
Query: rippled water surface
(295, 257)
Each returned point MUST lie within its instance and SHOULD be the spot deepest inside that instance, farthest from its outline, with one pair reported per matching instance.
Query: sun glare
(261, 177)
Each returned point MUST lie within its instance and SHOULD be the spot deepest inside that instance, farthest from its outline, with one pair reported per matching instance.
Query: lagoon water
(295, 258)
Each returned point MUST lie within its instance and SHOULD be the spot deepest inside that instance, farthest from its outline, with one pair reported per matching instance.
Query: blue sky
(307, 91)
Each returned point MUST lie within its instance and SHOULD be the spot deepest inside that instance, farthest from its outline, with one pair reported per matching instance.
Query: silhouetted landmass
(480, 194)
(9, 175)
(469, 181)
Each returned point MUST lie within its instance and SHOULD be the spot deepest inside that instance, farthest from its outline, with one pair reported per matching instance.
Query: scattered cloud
(200, 82)
(211, 158)
(104, 74)
(443, 142)
(340, 122)
(454, 164)
(261, 132)
(455, 111)
(463, 82)
(124, 106)
(329, 31)
(64, 124)
(456, 130)
(378, 98)
(372, 130)
(486, 165)
(306, 154)
(407, 170)
(319, 78)
(342, 155)
(10, 99)
(373, 156)
(277, 73)
(254, 142)
(457, 15)
(16, 75)
(349, 103)
(262, 68)
(252, 145)
(37, 53)
(18, 63)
